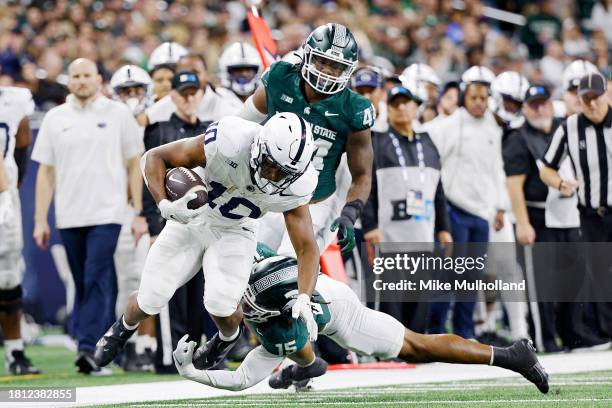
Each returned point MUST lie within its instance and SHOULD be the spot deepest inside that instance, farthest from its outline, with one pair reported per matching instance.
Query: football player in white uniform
(340, 316)
(132, 86)
(15, 137)
(161, 67)
(239, 70)
(422, 81)
(249, 170)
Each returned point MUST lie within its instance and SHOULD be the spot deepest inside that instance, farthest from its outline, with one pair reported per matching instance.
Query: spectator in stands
(541, 28)
(89, 151)
(43, 81)
(368, 82)
(601, 17)
(553, 64)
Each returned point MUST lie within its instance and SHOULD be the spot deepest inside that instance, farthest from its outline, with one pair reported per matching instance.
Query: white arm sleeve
(143, 163)
(250, 112)
(257, 365)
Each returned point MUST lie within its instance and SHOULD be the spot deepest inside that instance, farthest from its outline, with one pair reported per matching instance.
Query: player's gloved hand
(177, 210)
(6, 207)
(302, 308)
(183, 356)
(346, 234)
(345, 224)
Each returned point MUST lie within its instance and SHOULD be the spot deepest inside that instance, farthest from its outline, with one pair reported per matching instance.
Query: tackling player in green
(314, 86)
(340, 316)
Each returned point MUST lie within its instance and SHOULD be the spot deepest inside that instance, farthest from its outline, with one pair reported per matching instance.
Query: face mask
(133, 104)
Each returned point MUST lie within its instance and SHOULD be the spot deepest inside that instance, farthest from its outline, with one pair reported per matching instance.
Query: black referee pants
(563, 318)
(596, 228)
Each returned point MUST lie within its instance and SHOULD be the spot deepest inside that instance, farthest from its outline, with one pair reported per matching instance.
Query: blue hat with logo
(366, 77)
(185, 79)
(401, 91)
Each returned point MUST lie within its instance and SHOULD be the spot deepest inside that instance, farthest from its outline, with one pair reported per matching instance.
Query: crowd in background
(39, 39)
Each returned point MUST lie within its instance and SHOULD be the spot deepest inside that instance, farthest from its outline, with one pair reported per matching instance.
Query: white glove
(6, 207)
(178, 211)
(183, 357)
(302, 308)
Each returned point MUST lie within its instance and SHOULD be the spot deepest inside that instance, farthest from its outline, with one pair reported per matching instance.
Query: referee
(587, 138)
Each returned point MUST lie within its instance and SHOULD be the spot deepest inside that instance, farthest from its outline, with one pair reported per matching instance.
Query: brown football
(180, 181)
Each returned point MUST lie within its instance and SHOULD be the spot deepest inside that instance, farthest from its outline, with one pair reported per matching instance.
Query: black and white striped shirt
(589, 147)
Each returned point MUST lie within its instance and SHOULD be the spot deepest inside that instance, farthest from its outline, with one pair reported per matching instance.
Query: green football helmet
(272, 290)
(330, 58)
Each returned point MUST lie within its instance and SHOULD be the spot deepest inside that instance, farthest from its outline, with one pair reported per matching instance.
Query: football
(180, 181)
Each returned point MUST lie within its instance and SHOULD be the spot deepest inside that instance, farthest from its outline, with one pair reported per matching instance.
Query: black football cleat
(525, 362)
(20, 364)
(213, 354)
(86, 365)
(297, 376)
(281, 379)
(112, 343)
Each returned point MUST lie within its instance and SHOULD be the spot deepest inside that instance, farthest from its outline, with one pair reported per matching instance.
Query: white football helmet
(416, 77)
(477, 74)
(167, 53)
(508, 84)
(575, 71)
(129, 76)
(286, 142)
(239, 55)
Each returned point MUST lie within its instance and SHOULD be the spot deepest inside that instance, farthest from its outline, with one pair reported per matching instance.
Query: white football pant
(11, 245)
(225, 253)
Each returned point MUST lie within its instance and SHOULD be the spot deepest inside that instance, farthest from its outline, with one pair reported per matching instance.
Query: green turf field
(592, 389)
(572, 391)
(57, 365)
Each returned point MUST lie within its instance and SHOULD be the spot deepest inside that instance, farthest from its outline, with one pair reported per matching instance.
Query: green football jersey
(284, 335)
(333, 119)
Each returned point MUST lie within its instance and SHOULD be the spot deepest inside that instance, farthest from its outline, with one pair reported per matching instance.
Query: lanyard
(402, 159)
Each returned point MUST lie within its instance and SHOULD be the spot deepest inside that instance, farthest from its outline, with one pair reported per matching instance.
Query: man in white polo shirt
(89, 150)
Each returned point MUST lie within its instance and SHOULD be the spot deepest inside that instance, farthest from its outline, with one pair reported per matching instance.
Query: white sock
(230, 338)
(141, 344)
(127, 326)
(151, 343)
(10, 346)
(492, 355)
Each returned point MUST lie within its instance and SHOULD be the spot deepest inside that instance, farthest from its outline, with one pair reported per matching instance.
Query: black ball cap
(593, 83)
(536, 92)
(185, 79)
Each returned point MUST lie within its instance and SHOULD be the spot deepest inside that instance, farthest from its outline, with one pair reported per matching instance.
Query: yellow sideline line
(7, 378)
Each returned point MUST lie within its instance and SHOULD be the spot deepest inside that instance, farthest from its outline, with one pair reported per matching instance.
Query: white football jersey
(212, 107)
(15, 104)
(233, 196)
(231, 98)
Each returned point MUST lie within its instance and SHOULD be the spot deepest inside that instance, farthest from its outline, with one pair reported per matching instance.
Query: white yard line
(333, 380)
